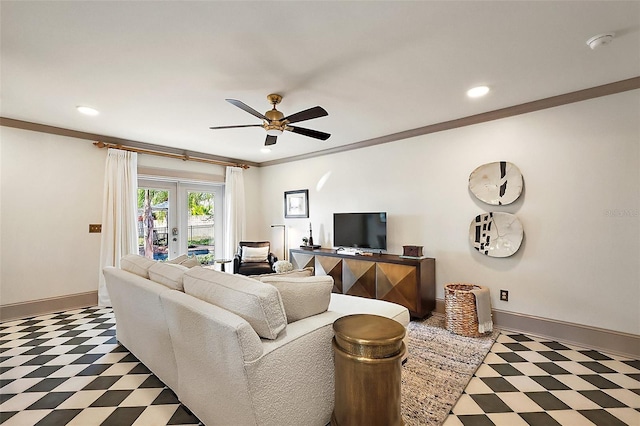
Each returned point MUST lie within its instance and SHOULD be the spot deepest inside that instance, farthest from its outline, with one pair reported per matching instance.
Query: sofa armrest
(212, 346)
(292, 383)
(236, 263)
(142, 326)
(298, 329)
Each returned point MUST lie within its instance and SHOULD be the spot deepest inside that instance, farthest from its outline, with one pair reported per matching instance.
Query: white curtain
(234, 213)
(119, 213)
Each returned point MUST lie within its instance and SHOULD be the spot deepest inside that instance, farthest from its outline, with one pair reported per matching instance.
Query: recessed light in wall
(477, 92)
(87, 110)
(265, 150)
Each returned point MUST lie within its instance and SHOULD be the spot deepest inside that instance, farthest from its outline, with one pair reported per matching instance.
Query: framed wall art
(296, 204)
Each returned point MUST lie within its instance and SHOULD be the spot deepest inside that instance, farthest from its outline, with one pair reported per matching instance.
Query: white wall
(253, 188)
(51, 191)
(580, 260)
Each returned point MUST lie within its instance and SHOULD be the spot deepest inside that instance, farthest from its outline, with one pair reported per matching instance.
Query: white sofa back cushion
(168, 274)
(258, 303)
(302, 297)
(137, 264)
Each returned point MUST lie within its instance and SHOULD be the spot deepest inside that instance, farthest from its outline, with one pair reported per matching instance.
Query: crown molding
(186, 154)
(554, 101)
(541, 104)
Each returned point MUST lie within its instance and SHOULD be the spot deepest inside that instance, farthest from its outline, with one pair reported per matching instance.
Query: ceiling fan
(274, 122)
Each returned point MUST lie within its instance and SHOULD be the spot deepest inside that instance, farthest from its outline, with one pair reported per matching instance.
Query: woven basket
(460, 309)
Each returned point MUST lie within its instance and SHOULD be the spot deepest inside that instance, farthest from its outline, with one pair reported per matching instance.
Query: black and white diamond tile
(68, 368)
(530, 381)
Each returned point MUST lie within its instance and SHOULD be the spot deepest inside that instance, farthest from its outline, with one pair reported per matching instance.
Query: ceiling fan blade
(308, 132)
(234, 127)
(307, 114)
(271, 140)
(246, 108)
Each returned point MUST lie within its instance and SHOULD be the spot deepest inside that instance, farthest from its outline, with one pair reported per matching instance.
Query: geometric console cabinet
(407, 282)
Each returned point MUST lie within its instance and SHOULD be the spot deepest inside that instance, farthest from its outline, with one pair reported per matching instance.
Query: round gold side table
(368, 353)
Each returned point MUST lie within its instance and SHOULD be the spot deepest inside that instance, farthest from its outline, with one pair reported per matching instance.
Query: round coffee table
(368, 353)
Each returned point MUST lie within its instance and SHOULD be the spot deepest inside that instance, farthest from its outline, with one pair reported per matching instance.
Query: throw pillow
(136, 264)
(178, 260)
(254, 254)
(306, 272)
(282, 266)
(190, 262)
(302, 297)
(168, 274)
(258, 303)
(185, 260)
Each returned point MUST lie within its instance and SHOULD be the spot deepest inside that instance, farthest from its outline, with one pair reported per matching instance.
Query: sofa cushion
(137, 264)
(168, 274)
(254, 254)
(298, 273)
(258, 303)
(302, 297)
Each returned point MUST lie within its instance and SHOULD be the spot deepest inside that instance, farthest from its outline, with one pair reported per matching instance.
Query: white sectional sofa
(236, 350)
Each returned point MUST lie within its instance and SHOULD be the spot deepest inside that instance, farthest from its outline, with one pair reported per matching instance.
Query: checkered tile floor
(67, 368)
(532, 381)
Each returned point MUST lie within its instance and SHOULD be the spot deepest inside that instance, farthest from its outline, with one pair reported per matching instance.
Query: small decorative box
(414, 251)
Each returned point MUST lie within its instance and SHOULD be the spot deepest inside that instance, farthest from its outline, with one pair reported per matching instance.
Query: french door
(177, 218)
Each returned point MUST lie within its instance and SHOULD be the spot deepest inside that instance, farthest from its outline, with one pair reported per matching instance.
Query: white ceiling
(159, 72)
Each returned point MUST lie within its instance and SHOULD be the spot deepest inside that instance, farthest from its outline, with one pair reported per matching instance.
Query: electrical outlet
(504, 295)
(95, 228)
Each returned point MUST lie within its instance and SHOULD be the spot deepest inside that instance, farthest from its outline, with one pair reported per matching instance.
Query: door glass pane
(153, 216)
(200, 226)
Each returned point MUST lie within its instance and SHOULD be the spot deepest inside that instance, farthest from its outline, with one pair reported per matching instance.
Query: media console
(406, 281)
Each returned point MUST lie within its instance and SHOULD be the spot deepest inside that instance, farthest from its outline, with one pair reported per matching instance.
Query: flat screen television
(367, 231)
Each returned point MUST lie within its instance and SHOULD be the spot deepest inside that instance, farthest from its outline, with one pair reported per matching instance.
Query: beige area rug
(439, 367)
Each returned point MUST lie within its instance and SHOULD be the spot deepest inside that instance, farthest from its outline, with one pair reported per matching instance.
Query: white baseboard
(614, 342)
(47, 306)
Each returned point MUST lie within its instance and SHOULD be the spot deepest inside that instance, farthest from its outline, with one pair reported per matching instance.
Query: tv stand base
(407, 282)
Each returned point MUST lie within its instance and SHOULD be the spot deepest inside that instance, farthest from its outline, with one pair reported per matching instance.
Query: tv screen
(360, 230)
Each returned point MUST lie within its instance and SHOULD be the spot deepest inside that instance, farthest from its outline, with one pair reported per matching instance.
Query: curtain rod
(183, 157)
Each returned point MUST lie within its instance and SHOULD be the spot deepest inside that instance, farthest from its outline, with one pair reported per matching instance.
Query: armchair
(254, 258)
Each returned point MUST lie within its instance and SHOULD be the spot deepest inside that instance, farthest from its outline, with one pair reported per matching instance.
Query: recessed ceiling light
(87, 110)
(477, 92)
(600, 40)
(265, 150)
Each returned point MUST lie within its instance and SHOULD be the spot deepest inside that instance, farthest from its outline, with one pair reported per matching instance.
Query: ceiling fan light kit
(275, 123)
(273, 130)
